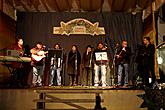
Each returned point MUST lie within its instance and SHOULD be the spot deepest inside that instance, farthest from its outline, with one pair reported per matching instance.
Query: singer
(100, 65)
(38, 63)
(122, 61)
(56, 67)
(74, 61)
(87, 66)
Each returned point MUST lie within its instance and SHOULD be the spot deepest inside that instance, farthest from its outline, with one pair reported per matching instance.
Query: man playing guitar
(38, 60)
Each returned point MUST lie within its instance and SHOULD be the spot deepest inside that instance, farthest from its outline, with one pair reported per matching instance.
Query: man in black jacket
(123, 60)
(146, 61)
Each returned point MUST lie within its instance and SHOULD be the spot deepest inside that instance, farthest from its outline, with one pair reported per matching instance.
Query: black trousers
(147, 69)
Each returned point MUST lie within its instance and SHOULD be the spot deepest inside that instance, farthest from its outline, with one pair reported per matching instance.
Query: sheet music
(101, 56)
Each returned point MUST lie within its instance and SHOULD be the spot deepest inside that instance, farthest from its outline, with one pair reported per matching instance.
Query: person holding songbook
(122, 61)
(56, 66)
(100, 64)
(73, 66)
(38, 63)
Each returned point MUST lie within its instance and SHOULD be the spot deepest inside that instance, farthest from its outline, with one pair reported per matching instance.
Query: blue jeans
(123, 76)
(38, 72)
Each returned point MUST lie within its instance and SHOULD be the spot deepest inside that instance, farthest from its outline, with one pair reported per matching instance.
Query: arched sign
(79, 26)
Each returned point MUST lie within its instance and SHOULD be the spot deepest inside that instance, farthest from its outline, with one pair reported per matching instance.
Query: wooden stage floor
(70, 98)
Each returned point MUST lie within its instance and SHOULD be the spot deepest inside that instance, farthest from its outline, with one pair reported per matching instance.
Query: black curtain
(38, 26)
(124, 26)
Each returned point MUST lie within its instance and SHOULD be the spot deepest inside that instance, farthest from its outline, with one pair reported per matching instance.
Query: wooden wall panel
(7, 30)
(7, 37)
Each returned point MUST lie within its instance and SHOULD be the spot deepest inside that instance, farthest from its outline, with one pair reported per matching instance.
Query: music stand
(54, 52)
(57, 54)
(101, 56)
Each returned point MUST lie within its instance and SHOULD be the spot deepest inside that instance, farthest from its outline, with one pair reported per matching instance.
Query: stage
(71, 98)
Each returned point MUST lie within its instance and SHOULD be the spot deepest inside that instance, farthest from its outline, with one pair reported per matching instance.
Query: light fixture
(160, 60)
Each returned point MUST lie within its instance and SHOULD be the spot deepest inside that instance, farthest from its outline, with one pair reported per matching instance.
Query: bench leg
(41, 105)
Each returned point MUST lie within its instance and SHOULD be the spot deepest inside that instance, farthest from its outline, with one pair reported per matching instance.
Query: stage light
(160, 60)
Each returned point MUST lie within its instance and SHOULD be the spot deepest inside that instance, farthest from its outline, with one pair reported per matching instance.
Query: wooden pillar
(98, 102)
(41, 105)
(1, 5)
(154, 35)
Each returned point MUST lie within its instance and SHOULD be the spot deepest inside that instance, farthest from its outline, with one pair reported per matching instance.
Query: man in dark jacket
(146, 61)
(123, 60)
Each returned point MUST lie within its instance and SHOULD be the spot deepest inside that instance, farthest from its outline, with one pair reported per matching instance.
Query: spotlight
(160, 60)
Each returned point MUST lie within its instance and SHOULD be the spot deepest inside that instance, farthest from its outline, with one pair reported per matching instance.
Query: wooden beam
(11, 3)
(90, 8)
(110, 2)
(123, 5)
(101, 8)
(129, 5)
(1, 7)
(68, 4)
(36, 4)
(143, 3)
(95, 5)
(55, 2)
(44, 4)
(134, 5)
(78, 4)
(52, 4)
(24, 6)
(117, 5)
(36, 8)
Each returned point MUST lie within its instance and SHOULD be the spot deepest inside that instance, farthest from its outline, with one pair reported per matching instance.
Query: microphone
(117, 45)
(105, 45)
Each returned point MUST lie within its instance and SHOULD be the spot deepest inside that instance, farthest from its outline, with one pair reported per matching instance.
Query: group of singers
(93, 69)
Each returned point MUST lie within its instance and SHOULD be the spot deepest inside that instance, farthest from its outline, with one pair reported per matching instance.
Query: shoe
(89, 84)
(50, 84)
(103, 85)
(119, 86)
(40, 84)
(33, 85)
(125, 86)
(96, 85)
(75, 84)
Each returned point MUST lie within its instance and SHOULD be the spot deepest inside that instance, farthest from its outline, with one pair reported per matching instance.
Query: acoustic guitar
(39, 56)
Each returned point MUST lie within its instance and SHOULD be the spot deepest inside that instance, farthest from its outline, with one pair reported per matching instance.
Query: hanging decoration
(79, 26)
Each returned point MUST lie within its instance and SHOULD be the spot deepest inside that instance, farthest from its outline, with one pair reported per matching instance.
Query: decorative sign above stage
(79, 26)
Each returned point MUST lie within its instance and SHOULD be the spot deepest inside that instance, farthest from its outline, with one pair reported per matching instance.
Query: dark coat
(124, 56)
(72, 69)
(146, 55)
(87, 59)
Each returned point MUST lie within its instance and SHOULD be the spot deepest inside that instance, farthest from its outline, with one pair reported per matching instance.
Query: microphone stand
(114, 67)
